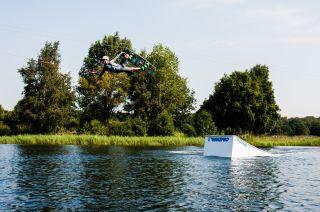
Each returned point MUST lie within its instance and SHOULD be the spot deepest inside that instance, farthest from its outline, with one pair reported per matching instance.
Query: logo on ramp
(218, 139)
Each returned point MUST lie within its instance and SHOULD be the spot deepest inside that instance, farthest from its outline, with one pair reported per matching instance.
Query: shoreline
(101, 140)
(258, 141)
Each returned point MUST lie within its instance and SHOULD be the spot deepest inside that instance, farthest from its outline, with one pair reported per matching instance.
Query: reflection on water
(118, 178)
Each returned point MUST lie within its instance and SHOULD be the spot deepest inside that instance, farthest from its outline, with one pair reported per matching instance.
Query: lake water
(88, 178)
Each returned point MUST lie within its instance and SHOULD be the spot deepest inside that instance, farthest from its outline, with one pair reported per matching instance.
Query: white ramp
(230, 146)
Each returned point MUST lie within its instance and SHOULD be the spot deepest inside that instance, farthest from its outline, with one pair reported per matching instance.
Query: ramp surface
(230, 146)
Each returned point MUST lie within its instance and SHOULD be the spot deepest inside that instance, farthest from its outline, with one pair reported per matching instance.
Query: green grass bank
(101, 140)
(270, 141)
(267, 141)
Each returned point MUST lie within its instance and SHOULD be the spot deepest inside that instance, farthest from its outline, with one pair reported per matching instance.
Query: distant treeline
(143, 104)
(298, 126)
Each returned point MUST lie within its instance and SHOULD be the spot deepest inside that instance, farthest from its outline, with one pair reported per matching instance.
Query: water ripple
(176, 179)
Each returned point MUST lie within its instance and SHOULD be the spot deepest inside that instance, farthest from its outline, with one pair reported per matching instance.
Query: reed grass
(101, 140)
(270, 141)
(259, 141)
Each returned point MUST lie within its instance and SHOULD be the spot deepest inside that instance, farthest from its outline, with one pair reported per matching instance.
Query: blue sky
(210, 38)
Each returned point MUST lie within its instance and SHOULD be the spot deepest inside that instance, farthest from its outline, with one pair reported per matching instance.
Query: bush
(315, 129)
(162, 125)
(121, 128)
(138, 127)
(4, 129)
(204, 124)
(298, 127)
(72, 124)
(189, 130)
(94, 127)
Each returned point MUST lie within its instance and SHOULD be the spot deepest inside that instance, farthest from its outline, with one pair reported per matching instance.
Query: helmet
(105, 58)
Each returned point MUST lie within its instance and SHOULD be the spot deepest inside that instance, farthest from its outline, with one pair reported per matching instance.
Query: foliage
(141, 104)
(204, 124)
(265, 141)
(94, 127)
(315, 129)
(139, 127)
(270, 141)
(182, 122)
(101, 140)
(244, 102)
(189, 130)
(4, 128)
(298, 127)
(48, 96)
(2, 113)
(166, 90)
(98, 97)
(148, 95)
(162, 125)
(282, 127)
(120, 128)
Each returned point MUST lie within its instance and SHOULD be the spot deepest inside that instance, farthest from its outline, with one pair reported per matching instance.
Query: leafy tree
(282, 127)
(310, 120)
(298, 127)
(139, 126)
(189, 130)
(166, 90)
(244, 102)
(99, 97)
(4, 128)
(204, 124)
(162, 125)
(121, 128)
(93, 127)
(315, 129)
(3, 113)
(48, 96)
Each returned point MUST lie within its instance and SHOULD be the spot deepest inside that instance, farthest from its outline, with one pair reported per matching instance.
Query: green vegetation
(100, 96)
(4, 129)
(204, 124)
(298, 126)
(48, 97)
(101, 140)
(265, 141)
(269, 141)
(244, 102)
(100, 109)
(163, 99)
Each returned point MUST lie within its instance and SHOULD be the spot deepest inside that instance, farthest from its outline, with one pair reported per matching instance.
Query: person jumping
(113, 67)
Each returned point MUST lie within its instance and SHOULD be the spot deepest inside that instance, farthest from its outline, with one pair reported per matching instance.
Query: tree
(4, 128)
(204, 124)
(282, 127)
(310, 121)
(166, 90)
(162, 125)
(315, 129)
(189, 130)
(2, 113)
(48, 97)
(298, 127)
(138, 126)
(99, 97)
(244, 102)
